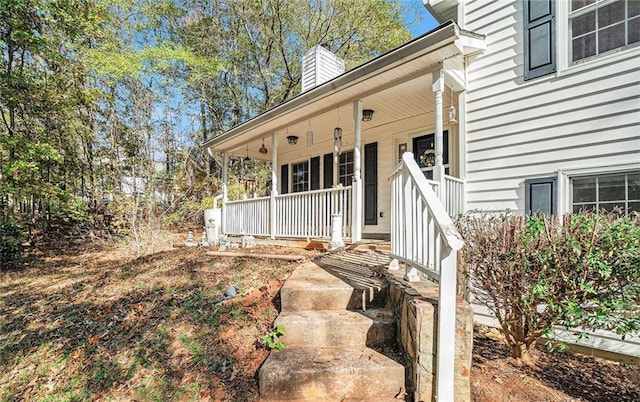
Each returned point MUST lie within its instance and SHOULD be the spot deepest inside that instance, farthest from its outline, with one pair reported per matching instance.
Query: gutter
(445, 33)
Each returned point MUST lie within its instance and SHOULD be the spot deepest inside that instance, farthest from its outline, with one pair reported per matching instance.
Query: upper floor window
(599, 26)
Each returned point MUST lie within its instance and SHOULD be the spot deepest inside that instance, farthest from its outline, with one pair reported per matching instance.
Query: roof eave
(444, 34)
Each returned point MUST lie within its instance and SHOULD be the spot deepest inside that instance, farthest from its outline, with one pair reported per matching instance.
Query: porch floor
(322, 244)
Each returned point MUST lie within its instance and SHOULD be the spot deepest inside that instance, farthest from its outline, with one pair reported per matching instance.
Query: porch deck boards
(361, 270)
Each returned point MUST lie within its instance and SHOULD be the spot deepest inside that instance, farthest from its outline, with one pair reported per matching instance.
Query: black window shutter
(315, 173)
(541, 196)
(371, 184)
(284, 179)
(327, 170)
(539, 38)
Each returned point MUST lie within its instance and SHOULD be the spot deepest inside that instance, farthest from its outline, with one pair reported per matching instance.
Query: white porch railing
(250, 216)
(305, 215)
(424, 238)
(308, 214)
(454, 199)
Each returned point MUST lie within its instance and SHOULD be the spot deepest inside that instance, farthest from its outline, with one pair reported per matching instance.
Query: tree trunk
(523, 353)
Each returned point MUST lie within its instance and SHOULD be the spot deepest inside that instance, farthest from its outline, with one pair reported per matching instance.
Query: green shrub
(10, 241)
(536, 273)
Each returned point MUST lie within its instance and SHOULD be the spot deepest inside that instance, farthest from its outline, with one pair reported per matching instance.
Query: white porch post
(356, 220)
(445, 358)
(438, 169)
(225, 163)
(274, 184)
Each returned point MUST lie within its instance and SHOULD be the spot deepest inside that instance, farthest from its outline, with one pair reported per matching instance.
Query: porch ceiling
(396, 86)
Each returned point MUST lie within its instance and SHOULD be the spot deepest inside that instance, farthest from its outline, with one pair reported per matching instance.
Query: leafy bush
(536, 273)
(10, 240)
(270, 340)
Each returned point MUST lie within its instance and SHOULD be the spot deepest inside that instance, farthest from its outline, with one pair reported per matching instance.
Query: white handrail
(424, 238)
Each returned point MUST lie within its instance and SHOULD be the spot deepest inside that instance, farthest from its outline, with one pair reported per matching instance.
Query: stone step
(339, 329)
(335, 374)
(376, 399)
(312, 288)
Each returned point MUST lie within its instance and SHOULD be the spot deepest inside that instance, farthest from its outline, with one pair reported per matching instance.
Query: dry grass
(98, 323)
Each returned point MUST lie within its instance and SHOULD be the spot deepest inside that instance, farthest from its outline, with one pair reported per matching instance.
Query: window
(614, 191)
(300, 176)
(599, 26)
(345, 168)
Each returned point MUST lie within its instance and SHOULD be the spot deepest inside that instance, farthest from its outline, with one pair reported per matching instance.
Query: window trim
(597, 176)
(338, 167)
(291, 174)
(564, 63)
(565, 194)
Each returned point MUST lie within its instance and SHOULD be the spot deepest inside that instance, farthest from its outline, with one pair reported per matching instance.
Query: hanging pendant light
(247, 159)
(452, 111)
(263, 150)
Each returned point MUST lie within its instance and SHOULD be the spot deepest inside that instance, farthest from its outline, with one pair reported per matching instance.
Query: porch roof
(396, 85)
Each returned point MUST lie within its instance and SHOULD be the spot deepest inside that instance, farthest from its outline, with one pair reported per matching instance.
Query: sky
(417, 18)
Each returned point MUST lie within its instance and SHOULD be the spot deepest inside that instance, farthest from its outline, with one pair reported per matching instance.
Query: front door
(425, 155)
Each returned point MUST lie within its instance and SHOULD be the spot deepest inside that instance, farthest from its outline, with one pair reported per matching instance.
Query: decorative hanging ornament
(337, 140)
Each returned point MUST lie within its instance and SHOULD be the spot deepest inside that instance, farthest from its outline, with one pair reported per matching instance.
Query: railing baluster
(424, 238)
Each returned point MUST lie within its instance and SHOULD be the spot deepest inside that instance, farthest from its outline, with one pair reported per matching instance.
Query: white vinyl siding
(518, 130)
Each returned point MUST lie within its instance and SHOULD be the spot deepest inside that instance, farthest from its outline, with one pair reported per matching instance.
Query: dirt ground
(93, 322)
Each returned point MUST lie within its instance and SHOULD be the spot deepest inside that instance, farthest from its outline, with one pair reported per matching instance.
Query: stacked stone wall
(416, 307)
